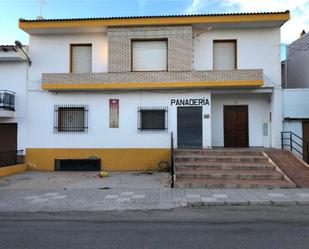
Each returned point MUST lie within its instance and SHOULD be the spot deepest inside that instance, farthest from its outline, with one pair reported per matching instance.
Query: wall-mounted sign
(114, 113)
(189, 102)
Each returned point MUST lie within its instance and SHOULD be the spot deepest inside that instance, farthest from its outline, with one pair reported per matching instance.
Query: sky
(12, 10)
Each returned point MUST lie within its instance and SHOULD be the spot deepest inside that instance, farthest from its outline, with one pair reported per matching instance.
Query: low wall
(10, 170)
(111, 159)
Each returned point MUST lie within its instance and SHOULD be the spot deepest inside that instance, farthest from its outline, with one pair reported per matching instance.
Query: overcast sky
(11, 10)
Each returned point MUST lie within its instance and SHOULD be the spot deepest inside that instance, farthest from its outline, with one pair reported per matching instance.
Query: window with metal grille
(152, 119)
(81, 58)
(71, 119)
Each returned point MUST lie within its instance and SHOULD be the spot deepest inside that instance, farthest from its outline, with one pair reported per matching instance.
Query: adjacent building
(296, 95)
(13, 95)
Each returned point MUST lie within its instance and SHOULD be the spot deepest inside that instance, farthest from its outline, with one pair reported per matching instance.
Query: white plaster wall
(51, 54)
(297, 128)
(99, 135)
(257, 48)
(258, 113)
(13, 77)
(296, 103)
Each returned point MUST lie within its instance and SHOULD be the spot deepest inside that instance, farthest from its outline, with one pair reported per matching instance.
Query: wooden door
(236, 126)
(306, 139)
(8, 137)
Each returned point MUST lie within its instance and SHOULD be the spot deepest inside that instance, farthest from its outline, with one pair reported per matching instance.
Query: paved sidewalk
(143, 199)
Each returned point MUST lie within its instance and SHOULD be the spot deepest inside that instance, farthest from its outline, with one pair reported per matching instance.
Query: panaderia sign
(190, 102)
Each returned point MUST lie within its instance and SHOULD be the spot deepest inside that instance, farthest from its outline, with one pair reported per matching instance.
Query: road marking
(122, 199)
(32, 197)
(303, 194)
(219, 195)
(126, 193)
(51, 194)
(276, 195)
(39, 200)
(208, 199)
(111, 196)
(138, 196)
(59, 197)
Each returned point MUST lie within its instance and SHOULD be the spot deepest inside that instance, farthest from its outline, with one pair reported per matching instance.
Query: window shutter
(224, 55)
(81, 59)
(149, 55)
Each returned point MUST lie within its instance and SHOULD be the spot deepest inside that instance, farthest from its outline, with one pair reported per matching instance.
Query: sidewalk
(143, 199)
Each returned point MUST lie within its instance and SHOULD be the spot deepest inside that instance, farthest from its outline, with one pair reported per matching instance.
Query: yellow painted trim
(121, 159)
(10, 170)
(148, 85)
(24, 24)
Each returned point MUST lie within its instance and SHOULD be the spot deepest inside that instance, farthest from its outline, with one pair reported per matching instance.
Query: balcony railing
(7, 100)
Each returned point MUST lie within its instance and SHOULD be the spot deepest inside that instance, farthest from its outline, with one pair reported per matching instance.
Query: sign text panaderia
(190, 102)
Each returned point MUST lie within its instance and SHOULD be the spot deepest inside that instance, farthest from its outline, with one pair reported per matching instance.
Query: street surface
(256, 227)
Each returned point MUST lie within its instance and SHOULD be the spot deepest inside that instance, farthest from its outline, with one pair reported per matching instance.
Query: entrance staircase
(227, 168)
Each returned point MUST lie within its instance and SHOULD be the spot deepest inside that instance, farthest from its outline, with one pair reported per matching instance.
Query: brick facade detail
(125, 77)
(180, 45)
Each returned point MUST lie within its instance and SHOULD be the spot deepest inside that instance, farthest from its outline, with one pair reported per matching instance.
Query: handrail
(173, 170)
(9, 158)
(283, 132)
(302, 149)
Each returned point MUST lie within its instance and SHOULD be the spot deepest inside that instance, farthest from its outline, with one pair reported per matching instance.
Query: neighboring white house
(296, 94)
(13, 92)
(116, 88)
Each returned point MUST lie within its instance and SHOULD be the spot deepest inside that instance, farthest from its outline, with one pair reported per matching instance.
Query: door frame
(247, 137)
(184, 147)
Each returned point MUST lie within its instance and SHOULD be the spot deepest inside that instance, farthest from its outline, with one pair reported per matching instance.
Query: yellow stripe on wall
(148, 85)
(111, 159)
(261, 17)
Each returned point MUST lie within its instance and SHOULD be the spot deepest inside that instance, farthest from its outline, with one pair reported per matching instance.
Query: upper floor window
(224, 55)
(149, 55)
(81, 58)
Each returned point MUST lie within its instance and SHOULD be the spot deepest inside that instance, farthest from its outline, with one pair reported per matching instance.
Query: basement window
(70, 119)
(153, 119)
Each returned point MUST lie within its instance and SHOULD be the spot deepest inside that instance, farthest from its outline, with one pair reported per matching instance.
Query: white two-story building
(116, 88)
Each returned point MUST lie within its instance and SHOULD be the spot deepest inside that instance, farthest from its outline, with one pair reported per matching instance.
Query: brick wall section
(184, 76)
(180, 45)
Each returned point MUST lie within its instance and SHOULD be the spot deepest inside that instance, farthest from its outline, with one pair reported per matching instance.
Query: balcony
(7, 104)
(152, 80)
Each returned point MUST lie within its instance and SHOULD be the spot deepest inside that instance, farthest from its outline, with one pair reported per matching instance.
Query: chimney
(302, 33)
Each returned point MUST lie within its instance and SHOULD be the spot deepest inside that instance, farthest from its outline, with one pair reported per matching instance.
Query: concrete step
(220, 158)
(231, 183)
(225, 165)
(218, 152)
(229, 174)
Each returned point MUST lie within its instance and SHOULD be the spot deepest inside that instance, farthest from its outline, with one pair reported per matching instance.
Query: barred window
(152, 119)
(71, 119)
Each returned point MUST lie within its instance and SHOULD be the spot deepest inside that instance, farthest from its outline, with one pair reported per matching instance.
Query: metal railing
(7, 100)
(173, 170)
(295, 144)
(9, 158)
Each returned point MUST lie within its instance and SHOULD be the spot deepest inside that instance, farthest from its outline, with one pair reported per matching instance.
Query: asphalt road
(209, 227)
